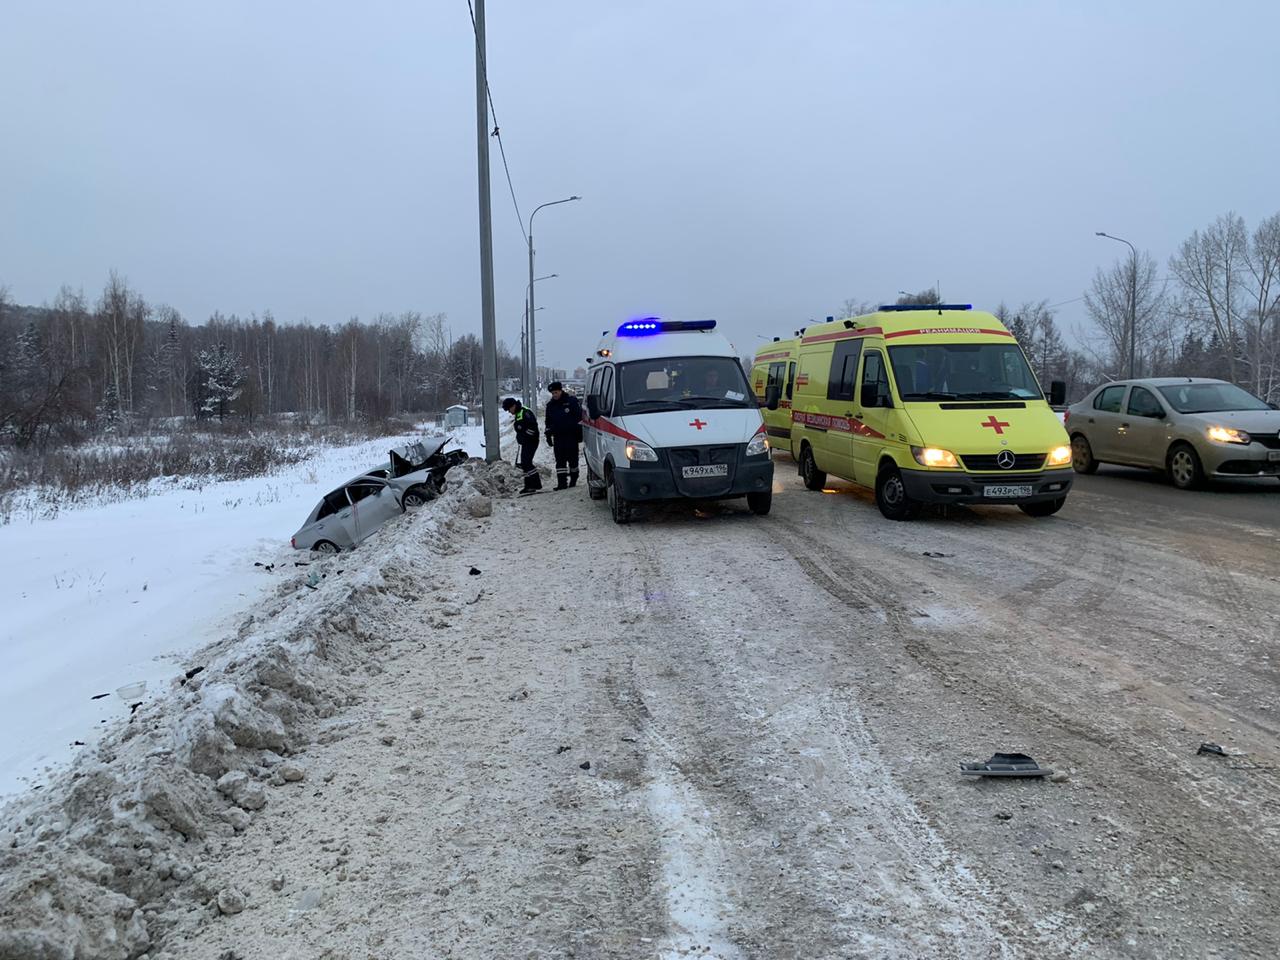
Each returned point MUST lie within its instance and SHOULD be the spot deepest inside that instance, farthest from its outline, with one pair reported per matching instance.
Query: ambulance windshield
(682, 383)
(963, 371)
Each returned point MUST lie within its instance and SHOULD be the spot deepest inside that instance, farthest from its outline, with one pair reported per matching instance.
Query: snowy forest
(81, 367)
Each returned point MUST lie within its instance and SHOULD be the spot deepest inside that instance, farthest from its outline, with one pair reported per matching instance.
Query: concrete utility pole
(1133, 303)
(488, 326)
(533, 334)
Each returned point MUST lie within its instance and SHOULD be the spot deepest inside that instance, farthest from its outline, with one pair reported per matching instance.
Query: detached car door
(373, 503)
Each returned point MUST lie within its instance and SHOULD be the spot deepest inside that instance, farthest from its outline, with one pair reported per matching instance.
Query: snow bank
(116, 593)
(105, 858)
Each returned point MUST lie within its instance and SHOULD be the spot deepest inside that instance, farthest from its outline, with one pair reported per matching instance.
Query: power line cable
(497, 130)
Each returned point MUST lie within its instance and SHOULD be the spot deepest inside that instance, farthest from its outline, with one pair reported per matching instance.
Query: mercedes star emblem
(1005, 459)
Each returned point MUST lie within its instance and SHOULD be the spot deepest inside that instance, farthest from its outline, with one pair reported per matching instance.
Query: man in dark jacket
(526, 425)
(564, 433)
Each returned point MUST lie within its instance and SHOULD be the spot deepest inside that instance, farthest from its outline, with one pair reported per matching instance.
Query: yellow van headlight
(1059, 456)
(934, 457)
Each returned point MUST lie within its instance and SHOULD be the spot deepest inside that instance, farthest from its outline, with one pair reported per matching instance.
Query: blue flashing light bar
(903, 307)
(648, 326)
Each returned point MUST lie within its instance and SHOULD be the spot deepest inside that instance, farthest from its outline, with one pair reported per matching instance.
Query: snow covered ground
(115, 594)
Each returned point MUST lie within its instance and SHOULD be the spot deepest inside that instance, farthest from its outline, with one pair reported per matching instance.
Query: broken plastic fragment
(1005, 765)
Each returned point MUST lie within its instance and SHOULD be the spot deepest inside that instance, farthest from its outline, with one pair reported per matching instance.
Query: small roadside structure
(456, 416)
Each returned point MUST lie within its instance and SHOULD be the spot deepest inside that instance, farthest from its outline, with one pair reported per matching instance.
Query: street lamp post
(533, 336)
(525, 390)
(1133, 302)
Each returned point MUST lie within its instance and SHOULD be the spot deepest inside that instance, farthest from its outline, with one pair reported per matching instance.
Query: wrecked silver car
(348, 515)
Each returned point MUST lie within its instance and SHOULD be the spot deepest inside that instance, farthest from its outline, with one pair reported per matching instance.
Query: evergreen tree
(221, 379)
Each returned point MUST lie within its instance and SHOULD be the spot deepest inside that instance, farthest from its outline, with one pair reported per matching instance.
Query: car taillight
(293, 542)
(1066, 415)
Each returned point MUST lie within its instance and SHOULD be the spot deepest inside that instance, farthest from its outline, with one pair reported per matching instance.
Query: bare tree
(928, 295)
(1211, 268)
(1108, 304)
(853, 307)
(1262, 312)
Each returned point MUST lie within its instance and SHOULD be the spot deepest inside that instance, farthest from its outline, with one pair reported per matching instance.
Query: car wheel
(416, 497)
(891, 496)
(595, 486)
(1045, 508)
(1183, 467)
(1082, 455)
(760, 503)
(325, 547)
(813, 478)
(619, 505)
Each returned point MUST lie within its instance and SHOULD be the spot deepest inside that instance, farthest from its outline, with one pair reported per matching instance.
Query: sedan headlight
(934, 457)
(639, 450)
(1228, 435)
(759, 445)
(1059, 456)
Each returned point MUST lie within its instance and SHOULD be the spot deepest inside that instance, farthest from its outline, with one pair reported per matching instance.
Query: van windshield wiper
(704, 402)
(995, 395)
(669, 404)
(930, 395)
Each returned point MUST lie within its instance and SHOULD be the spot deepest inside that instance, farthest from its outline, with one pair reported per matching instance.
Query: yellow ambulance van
(926, 404)
(775, 366)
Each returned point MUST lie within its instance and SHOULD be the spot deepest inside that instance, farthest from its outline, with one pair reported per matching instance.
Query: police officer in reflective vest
(526, 425)
(564, 433)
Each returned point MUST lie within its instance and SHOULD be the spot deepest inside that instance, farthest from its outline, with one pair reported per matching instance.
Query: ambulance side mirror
(772, 397)
(593, 407)
(1057, 393)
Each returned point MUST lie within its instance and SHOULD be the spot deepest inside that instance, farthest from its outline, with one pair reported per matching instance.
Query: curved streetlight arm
(1119, 239)
(552, 203)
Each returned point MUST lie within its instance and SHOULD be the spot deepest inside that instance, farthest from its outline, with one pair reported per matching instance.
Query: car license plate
(1008, 491)
(1273, 455)
(706, 470)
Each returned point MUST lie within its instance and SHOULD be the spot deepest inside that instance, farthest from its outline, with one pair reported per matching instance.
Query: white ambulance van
(669, 414)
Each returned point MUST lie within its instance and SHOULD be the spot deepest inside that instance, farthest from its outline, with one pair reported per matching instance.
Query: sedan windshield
(682, 383)
(963, 371)
(1210, 398)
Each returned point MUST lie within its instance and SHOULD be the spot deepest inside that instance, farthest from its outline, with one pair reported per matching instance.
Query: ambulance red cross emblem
(695, 422)
(996, 425)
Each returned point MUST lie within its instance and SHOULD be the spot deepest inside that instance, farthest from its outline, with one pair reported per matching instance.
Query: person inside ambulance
(711, 383)
(966, 376)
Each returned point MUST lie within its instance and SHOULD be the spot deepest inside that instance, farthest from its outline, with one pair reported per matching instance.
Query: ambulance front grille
(984, 461)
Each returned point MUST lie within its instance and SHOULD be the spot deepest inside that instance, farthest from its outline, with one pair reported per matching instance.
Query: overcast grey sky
(753, 162)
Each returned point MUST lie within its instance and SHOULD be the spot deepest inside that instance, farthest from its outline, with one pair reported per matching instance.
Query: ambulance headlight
(934, 457)
(1059, 456)
(759, 446)
(639, 450)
